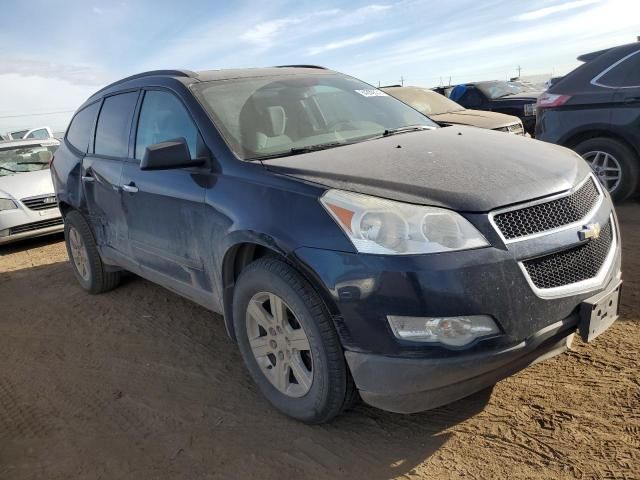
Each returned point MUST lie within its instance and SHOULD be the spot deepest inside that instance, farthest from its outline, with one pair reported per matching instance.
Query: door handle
(88, 179)
(632, 100)
(131, 188)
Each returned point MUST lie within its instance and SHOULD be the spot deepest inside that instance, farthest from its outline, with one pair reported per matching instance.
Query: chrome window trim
(557, 196)
(594, 80)
(584, 285)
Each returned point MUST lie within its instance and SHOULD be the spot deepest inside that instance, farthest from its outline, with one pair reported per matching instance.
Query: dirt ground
(139, 383)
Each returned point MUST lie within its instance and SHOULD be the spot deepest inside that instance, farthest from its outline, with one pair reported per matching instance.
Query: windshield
(25, 159)
(425, 101)
(264, 116)
(497, 89)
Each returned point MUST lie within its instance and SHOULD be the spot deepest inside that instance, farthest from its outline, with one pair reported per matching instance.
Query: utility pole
(519, 69)
(401, 80)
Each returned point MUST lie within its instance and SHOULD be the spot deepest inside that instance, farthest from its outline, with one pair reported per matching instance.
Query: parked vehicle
(351, 244)
(511, 98)
(445, 112)
(595, 110)
(28, 206)
(38, 133)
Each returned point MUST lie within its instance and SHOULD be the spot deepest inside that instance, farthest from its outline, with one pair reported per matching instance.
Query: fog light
(451, 331)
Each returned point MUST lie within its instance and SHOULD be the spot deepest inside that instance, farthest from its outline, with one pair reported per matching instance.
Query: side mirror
(168, 155)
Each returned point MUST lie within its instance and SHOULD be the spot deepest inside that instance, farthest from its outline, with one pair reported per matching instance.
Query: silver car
(28, 205)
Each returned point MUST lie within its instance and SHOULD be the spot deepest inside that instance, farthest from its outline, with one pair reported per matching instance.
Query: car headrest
(277, 120)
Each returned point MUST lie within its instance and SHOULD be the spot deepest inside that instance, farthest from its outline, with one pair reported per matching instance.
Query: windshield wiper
(299, 150)
(7, 169)
(408, 128)
(32, 163)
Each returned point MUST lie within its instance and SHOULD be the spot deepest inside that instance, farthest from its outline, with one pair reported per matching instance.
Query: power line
(36, 114)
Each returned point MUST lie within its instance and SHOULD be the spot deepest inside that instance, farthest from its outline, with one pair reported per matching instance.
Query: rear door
(102, 169)
(624, 78)
(165, 208)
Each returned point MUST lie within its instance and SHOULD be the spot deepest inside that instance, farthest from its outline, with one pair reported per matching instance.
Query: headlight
(7, 204)
(376, 225)
(451, 331)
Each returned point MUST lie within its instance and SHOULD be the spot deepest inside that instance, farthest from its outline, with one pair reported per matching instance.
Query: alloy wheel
(279, 344)
(79, 253)
(606, 167)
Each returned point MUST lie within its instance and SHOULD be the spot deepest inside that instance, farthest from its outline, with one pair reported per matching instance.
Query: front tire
(616, 165)
(84, 257)
(289, 344)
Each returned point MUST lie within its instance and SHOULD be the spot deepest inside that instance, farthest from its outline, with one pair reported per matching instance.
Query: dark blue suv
(354, 248)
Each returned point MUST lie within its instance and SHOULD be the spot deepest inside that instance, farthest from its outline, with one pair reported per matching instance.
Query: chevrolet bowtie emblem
(590, 232)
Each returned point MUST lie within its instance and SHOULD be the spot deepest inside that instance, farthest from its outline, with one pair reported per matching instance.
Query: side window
(79, 131)
(39, 134)
(625, 74)
(471, 98)
(162, 118)
(114, 122)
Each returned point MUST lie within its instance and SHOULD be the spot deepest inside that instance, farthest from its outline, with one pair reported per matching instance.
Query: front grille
(573, 265)
(42, 202)
(549, 215)
(515, 128)
(28, 227)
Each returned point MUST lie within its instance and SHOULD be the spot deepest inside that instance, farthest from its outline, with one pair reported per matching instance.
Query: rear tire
(618, 155)
(327, 389)
(84, 257)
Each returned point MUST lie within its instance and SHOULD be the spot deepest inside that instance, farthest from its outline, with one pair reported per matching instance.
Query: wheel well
(235, 260)
(64, 208)
(239, 257)
(571, 142)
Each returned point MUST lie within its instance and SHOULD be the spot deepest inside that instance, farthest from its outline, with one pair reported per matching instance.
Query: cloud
(347, 42)
(546, 11)
(265, 31)
(75, 74)
(98, 10)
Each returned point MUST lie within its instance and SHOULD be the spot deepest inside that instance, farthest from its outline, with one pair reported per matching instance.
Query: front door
(164, 209)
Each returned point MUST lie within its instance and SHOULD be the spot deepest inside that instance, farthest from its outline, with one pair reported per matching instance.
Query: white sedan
(28, 206)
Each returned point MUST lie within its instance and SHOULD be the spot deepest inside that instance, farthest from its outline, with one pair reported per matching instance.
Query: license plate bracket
(599, 312)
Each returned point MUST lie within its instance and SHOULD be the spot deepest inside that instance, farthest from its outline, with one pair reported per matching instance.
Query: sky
(57, 53)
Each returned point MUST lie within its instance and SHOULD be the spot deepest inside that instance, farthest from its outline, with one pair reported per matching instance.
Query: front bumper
(22, 223)
(405, 385)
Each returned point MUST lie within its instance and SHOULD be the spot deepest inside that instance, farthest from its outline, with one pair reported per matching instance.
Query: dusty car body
(353, 246)
(447, 112)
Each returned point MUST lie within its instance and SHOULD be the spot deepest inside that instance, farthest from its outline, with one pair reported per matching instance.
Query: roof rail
(391, 86)
(302, 66)
(168, 73)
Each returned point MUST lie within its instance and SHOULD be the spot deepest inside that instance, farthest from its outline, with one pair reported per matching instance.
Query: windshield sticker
(372, 92)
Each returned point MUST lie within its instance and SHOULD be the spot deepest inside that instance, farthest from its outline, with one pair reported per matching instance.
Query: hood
(461, 168)
(476, 118)
(27, 184)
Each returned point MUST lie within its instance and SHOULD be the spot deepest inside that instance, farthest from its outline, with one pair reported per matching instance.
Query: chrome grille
(28, 227)
(548, 215)
(573, 265)
(516, 129)
(42, 202)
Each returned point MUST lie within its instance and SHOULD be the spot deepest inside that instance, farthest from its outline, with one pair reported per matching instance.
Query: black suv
(512, 98)
(353, 247)
(595, 110)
